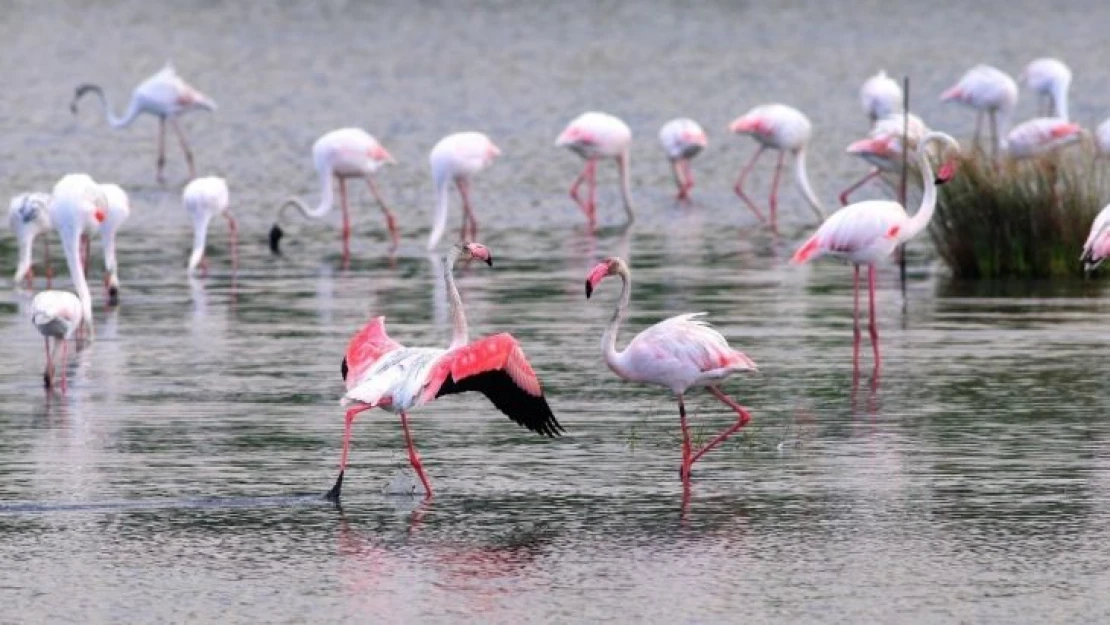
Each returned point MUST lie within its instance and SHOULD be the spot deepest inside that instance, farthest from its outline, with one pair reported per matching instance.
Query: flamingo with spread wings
(381, 373)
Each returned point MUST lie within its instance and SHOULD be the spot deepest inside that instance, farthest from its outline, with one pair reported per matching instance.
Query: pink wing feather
(364, 349)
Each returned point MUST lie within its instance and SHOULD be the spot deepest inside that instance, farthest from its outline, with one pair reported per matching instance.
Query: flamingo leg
(46, 258)
(85, 253)
(994, 136)
(346, 220)
(48, 373)
(463, 185)
(184, 147)
(744, 418)
(65, 361)
(689, 176)
(978, 129)
(774, 201)
(679, 179)
(592, 201)
(234, 231)
(348, 421)
(687, 450)
(390, 222)
(586, 207)
(874, 328)
(739, 187)
(414, 458)
(857, 335)
(859, 183)
(160, 164)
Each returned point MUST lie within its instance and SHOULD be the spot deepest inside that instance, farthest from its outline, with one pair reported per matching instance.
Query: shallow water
(180, 478)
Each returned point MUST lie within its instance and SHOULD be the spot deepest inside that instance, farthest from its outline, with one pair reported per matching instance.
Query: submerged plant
(1026, 218)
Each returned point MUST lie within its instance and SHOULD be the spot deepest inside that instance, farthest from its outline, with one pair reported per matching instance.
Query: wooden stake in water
(905, 173)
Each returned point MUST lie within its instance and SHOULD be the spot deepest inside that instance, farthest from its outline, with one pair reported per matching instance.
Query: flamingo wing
(364, 349)
(853, 228)
(496, 367)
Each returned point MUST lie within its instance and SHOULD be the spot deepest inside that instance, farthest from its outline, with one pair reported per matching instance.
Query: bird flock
(680, 353)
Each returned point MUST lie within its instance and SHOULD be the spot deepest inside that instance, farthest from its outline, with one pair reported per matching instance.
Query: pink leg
(414, 458)
(874, 323)
(687, 451)
(348, 421)
(65, 361)
(862, 181)
(346, 221)
(160, 164)
(774, 201)
(46, 258)
(234, 229)
(679, 178)
(583, 176)
(592, 202)
(856, 334)
(184, 147)
(85, 253)
(741, 422)
(689, 176)
(463, 185)
(739, 187)
(978, 129)
(390, 222)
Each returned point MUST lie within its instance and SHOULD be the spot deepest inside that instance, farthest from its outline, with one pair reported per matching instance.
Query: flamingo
(119, 209)
(456, 158)
(783, 128)
(204, 199)
(341, 154)
(379, 372)
(594, 136)
(682, 140)
(879, 148)
(164, 95)
(678, 353)
(57, 315)
(1050, 79)
(28, 217)
(1102, 138)
(867, 232)
(1097, 246)
(1039, 136)
(987, 90)
(880, 96)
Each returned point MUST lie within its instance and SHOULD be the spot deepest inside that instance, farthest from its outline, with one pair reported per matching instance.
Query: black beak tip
(113, 296)
(940, 181)
(275, 239)
(333, 494)
(589, 289)
(489, 261)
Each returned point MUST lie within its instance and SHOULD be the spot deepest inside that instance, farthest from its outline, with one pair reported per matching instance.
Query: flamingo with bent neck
(28, 217)
(677, 353)
(595, 136)
(341, 155)
(381, 373)
(867, 232)
(456, 158)
(785, 129)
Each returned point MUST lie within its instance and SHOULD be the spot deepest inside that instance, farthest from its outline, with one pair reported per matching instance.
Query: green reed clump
(1025, 219)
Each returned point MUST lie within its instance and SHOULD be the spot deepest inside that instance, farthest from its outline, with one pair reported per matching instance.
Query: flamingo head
(609, 267)
(749, 124)
(475, 250)
(379, 154)
(492, 152)
(946, 171)
(574, 135)
(952, 93)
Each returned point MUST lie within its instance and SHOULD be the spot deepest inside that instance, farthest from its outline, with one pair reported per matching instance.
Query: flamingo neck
(1060, 100)
(327, 198)
(803, 183)
(71, 245)
(924, 213)
(613, 358)
(626, 184)
(26, 245)
(200, 238)
(443, 204)
(460, 334)
(129, 116)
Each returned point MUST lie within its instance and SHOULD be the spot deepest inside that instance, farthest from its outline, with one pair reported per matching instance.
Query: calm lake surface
(180, 479)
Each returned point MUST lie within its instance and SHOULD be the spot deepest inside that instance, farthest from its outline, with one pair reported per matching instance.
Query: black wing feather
(526, 409)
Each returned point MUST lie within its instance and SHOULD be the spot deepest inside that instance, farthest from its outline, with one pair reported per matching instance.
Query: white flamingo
(28, 216)
(341, 155)
(989, 91)
(456, 158)
(880, 96)
(882, 147)
(381, 373)
(164, 95)
(204, 199)
(595, 136)
(682, 140)
(1097, 246)
(57, 315)
(1050, 79)
(119, 209)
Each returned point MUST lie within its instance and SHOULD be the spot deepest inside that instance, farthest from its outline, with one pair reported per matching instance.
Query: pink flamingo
(868, 232)
(28, 217)
(1051, 80)
(880, 96)
(119, 210)
(595, 136)
(682, 140)
(783, 128)
(456, 158)
(164, 95)
(987, 90)
(56, 315)
(1097, 247)
(205, 199)
(882, 148)
(341, 154)
(381, 373)
(1039, 136)
(677, 353)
